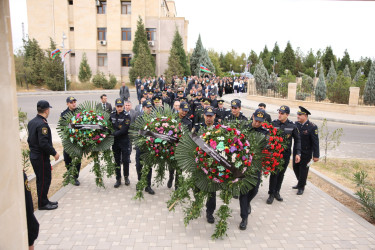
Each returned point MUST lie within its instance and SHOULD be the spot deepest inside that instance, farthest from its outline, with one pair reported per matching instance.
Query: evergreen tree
(367, 67)
(332, 75)
(85, 73)
(327, 58)
(265, 55)
(228, 60)
(140, 41)
(276, 55)
(369, 92)
(345, 61)
(357, 75)
(179, 45)
(254, 61)
(34, 60)
(200, 57)
(261, 77)
(53, 70)
(310, 60)
(338, 92)
(174, 65)
(321, 89)
(272, 82)
(346, 72)
(288, 60)
(222, 60)
(215, 59)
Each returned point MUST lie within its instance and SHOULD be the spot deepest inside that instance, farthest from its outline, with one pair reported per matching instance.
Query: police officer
(245, 199)
(290, 131)
(40, 144)
(221, 112)
(71, 102)
(213, 99)
(121, 123)
(146, 108)
(32, 222)
(183, 115)
(157, 101)
(309, 147)
(236, 114)
(267, 116)
(199, 113)
(165, 98)
(209, 123)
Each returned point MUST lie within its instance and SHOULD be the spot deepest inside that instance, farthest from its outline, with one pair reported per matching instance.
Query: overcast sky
(245, 25)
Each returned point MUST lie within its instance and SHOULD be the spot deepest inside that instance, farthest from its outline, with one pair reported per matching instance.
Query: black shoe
(54, 203)
(49, 206)
(243, 224)
(117, 184)
(170, 181)
(278, 197)
(127, 181)
(249, 209)
(300, 191)
(76, 183)
(210, 218)
(270, 199)
(295, 187)
(149, 190)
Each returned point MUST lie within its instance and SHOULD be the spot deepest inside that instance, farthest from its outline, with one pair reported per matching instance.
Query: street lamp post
(63, 58)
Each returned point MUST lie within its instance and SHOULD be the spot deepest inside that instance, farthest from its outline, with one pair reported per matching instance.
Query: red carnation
(266, 172)
(213, 170)
(281, 139)
(217, 126)
(229, 129)
(227, 150)
(227, 170)
(172, 153)
(210, 177)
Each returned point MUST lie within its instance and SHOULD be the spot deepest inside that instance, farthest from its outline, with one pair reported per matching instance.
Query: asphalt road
(358, 141)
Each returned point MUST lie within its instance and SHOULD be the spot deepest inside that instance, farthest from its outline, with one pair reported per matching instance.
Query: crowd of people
(198, 105)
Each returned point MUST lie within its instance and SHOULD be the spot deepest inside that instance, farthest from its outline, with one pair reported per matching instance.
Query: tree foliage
(261, 77)
(200, 57)
(338, 92)
(327, 58)
(178, 44)
(346, 72)
(332, 75)
(174, 65)
(100, 80)
(369, 92)
(85, 72)
(215, 59)
(34, 59)
(321, 89)
(288, 60)
(345, 61)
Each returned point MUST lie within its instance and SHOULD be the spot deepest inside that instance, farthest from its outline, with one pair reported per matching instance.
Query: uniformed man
(71, 102)
(157, 92)
(121, 123)
(308, 132)
(267, 116)
(245, 199)
(170, 94)
(290, 131)
(150, 94)
(236, 114)
(32, 222)
(199, 113)
(157, 101)
(183, 115)
(221, 112)
(146, 108)
(40, 144)
(165, 98)
(213, 99)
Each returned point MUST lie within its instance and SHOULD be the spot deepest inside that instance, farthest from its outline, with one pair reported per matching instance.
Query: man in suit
(138, 84)
(124, 92)
(162, 83)
(104, 105)
(138, 109)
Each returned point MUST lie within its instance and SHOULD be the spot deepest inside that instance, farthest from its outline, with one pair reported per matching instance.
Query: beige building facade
(105, 31)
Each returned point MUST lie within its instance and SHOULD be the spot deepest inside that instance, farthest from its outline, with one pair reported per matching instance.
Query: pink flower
(213, 144)
(205, 170)
(165, 125)
(235, 180)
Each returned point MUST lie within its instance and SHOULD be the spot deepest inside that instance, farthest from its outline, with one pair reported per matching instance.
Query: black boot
(243, 224)
(210, 218)
(149, 190)
(278, 197)
(117, 184)
(270, 199)
(249, 209)
(127, 181)
(300, 191)
(170, 181)
(295, 187)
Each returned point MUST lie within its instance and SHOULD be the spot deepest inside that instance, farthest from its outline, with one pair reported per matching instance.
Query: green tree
(174, 65)
(142, 65)
(265, 55)
(332, 75)
(346, 72)
(179, 45)
(228, 61)
(111, 83)
(345, 61)
(215, 59)
(140, 40)
(369, 92)
(310, 60)
(261, 77)
(327, 58)
(222, 61)
(254, 60)
(200, 57)
(338, 92)
(321, 89)
(22, 71)
(99, 80)
(85, 73)
(282, 86)
(288, 60)
(367, 67)
(34, 60)
(272, 82)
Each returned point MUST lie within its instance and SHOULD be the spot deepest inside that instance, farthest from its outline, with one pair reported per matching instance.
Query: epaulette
(113, 112)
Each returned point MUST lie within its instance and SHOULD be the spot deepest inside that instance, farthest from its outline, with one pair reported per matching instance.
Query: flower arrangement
(87, 132)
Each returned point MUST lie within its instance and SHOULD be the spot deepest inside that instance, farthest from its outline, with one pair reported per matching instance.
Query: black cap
(199, 93)
(220, 101)
(164, 91)
(206, 101)
(259, 115)
(42, 104)
(193, 95)
(150, 92)
(284, 109)
(147, 104)
(70, 99)
(184, 106)
(180, 92)
(156, 98)
(144, 92)
(182, 99)
(262, 105)
(213, 93)
(209, 110)
(303, 111)
(119, 102)
(235, 103)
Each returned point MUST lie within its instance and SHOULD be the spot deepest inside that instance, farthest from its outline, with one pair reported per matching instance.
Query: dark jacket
(121, 124)
(32, 222)
(108, 106)
(124, 93)
(289, 131)
(309, 139)
(231, 117)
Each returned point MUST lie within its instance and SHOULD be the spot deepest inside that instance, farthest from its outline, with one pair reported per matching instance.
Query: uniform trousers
(121, 154)
(42, 169)
(276, 179)
(139, 167)
(301, 170)
(68, 161)
(245, 199)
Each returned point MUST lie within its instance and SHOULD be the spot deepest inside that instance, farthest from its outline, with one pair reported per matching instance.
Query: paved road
(358, 140)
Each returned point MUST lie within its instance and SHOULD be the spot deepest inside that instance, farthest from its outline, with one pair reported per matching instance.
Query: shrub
(338, 92)
(111, 83)
(99, 80)
(282, 86)
(366, 193)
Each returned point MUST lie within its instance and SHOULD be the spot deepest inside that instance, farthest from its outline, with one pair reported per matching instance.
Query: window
(151, 34)
(71, 28)
(102, 59)
(125, 60)
(126, 8)
(126, 34)
(102, 34)
(72, 54)
(70, 2)
(102, 9)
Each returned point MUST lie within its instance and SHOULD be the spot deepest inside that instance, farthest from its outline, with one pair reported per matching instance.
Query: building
(105, 30)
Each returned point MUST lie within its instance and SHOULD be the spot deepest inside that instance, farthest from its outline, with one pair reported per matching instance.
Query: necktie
(103, 106)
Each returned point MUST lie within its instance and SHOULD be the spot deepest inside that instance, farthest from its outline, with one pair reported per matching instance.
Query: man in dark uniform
(290, 131)
(308, 132)
(213, 99)
(170, 94)
(209, 123)
(267, 116)
(184, 110)
(147, 108)
(32, 222)
(221, 112)
(199, 113)
(245, 199)
(71, 102)
(157, 101)
(236, 114)
(40, 144)
(165, 98)
(121, 123)
(157, 93)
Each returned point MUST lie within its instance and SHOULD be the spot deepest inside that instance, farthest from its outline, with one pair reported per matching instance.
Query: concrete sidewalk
(93, 218)
(316, 114)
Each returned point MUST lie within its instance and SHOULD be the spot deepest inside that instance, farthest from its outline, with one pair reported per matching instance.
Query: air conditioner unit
(151, 43)
(104, 43)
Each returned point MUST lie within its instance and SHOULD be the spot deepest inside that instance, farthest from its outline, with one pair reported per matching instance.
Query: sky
(245, 25)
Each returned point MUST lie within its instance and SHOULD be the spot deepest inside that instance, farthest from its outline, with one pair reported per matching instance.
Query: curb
(71, 92)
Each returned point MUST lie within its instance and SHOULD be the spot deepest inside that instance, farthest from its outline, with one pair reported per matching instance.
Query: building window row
(126, 8)
(126, 34)
(103, 60)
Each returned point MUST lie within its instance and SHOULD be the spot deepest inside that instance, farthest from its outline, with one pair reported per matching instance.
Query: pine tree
(332, 75)
(276, 55)
(53, 70)
(369, 92)
(345, 61)
(288, 60)
(200, 57)
(346, 72)
(357, 75)
(321, 89)
(254, 61)
(215, 59)
(272, 81)
(261, 77)
(174, 65)
(85, 73)
(179, 45)
(140, 40)
(34, 60)
(327, 58)
(367, 67)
